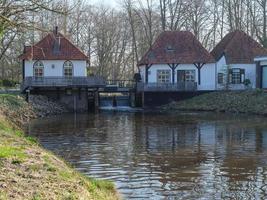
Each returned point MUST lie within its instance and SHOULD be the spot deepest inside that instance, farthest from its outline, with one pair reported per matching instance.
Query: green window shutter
(242, 75)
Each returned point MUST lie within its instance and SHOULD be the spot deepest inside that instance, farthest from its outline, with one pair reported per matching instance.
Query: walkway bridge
(104, 85)
(83, 93)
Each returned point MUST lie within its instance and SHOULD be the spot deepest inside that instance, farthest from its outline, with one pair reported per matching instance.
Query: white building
(53, 56)
(235, 64)
(178, 62)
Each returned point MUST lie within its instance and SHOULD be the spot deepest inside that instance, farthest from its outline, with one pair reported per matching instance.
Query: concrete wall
(79, 67)
(250, 73)
(73, 100)
(207, 74)
(154, 99)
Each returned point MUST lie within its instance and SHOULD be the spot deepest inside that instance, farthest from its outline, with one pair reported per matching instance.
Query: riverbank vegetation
(251, 102)
(27, 171)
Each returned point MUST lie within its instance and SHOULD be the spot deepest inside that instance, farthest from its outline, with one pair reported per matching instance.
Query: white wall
(264, 62)
(207, 74)
(79, 67)
(250, 73)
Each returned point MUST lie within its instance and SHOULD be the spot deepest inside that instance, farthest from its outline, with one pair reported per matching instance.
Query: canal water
(164, 156)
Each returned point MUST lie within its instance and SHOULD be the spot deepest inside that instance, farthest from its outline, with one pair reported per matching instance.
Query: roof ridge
(73, 44)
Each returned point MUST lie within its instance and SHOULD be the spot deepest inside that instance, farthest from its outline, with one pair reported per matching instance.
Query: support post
(147, 68)
(96, 96)
(79, 93)
(87, 98)
(28, 91)
(258, 75)
(23, 69)
(58, 94)
(173, 66)
(199, 66)
(143, 99)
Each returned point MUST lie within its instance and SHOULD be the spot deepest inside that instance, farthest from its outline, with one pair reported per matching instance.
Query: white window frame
(189, 75)
(236, 76)
(38, 69)
(68, 69)
(163, 76)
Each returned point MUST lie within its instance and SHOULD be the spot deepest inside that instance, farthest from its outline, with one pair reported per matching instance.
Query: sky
(112, 3)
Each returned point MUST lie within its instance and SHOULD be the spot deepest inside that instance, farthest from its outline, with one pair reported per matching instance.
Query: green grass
(12, 100)
(101, 184)
(38, 172)
(253, 102)
(3, 195)
(10, 151)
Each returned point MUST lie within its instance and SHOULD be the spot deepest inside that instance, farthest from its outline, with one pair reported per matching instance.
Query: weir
(90, 93)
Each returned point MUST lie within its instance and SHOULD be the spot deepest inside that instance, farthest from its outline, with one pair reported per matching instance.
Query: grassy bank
(27, 171)
(251, 102)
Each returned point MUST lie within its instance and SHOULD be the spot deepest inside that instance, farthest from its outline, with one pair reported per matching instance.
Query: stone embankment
(43, 106)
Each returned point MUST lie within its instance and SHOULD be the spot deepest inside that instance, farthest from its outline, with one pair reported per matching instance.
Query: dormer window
(169, 48)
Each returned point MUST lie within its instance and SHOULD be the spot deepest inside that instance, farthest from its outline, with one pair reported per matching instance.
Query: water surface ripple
(164, 156)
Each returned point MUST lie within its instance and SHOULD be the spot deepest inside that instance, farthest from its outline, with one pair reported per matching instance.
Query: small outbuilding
(53, 56)
(236, 68)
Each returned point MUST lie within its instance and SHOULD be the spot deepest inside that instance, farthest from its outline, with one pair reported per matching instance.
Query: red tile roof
(176, 47)
(53, 47)
(238, 47)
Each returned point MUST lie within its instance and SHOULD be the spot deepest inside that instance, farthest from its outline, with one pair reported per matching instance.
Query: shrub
(259, 91)
(8, 83)
(247, 82)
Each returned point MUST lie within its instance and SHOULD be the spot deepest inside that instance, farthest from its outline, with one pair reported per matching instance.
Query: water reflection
(161, 156)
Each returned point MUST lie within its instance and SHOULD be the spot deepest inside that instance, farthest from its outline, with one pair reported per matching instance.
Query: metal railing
(91, 81)
(120, 83)
(154, 87)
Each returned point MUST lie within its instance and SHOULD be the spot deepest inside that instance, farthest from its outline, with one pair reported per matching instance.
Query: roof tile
(46, 50)
(176, 47)
(238, 47)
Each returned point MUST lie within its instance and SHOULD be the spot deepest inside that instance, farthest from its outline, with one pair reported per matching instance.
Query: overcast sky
(112, 3)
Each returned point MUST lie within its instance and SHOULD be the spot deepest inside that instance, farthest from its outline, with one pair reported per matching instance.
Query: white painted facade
(55, 68)
(262, 60)
(207, 74)
(263, 64)
(250, 73)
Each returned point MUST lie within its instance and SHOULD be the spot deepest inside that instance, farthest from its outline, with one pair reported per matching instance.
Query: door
(180, 76)
(264, 77)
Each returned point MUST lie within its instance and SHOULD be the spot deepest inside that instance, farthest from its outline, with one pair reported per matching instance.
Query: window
(237, 76)
(163, 76)
(68, 69)
(38, 69)
(186, 76)
(169, 48)
(220, 78)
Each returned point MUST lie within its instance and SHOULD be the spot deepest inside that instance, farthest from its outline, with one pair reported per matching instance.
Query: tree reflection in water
(150, 155)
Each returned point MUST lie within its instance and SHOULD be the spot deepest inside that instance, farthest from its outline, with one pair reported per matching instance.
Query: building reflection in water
(158, 155)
